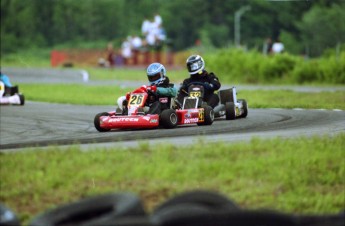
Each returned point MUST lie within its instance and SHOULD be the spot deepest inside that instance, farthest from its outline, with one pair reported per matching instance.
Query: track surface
(41, 124)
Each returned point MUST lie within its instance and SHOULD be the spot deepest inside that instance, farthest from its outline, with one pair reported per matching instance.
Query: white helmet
(195, 64)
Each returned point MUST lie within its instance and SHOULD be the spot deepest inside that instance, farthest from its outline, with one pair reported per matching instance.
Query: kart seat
(226, 95)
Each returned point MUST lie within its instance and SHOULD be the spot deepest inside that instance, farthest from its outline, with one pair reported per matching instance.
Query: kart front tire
(245, 108)
(208, 116)
(230, 111)
(97, 122)
(168, 119)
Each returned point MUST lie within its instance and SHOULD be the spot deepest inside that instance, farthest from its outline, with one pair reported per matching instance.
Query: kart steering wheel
(150, 93)
(197, 83)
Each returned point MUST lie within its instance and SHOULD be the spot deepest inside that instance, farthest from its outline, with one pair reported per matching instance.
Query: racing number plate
(195, 94)
(136, 99)
(201, 115)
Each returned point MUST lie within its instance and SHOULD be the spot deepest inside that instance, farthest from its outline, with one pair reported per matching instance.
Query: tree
(323, 28)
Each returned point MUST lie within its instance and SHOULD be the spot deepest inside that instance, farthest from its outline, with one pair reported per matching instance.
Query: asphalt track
(40, 125)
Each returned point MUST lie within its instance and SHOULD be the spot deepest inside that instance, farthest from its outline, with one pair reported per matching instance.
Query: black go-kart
(228, 106)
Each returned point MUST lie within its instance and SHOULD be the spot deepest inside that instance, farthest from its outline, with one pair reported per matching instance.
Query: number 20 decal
(136, 99)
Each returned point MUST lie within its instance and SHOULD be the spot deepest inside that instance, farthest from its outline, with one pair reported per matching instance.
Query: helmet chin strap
(201, 72)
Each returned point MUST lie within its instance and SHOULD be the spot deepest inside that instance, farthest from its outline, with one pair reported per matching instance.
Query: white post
(237, 24)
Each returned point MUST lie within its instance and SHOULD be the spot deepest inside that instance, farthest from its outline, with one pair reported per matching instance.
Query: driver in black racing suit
(196, 69)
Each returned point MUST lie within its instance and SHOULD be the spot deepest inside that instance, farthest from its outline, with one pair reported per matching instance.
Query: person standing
(277, 47)
(136, 44)
(126, 50)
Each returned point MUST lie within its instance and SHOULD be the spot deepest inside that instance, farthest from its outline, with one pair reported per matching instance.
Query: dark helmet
(195, 64)
(155, 73)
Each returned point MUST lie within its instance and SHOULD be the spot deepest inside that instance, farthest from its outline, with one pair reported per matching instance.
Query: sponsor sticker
(190, 120)
(193, 113)
(124, 120)
(163, 100)
(201, 115)
(146, 118)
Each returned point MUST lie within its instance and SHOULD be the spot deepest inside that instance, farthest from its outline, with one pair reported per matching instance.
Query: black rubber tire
(97, 123)
(105, 209)
(245, 108)
(230, 111)
(168, 119)
(22, 99)
(208, 116)
(182, 216)
(196, 203)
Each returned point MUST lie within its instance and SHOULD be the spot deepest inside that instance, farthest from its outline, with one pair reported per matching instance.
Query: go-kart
(10, 95)
(194, 109)
(230, 106)
(135, 114)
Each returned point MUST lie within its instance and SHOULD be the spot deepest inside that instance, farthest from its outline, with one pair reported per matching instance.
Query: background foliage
(304, 26)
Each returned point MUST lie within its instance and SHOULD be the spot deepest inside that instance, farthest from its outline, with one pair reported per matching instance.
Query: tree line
(305, 27)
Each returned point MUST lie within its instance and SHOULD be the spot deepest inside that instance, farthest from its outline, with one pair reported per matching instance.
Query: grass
(303, 175)
(139, 74)
(107, 95)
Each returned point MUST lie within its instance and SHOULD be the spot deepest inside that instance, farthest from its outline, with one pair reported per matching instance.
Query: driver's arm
(214, 81)
(167, 91)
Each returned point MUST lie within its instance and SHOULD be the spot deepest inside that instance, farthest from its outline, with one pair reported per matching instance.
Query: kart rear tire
(245, 108)
(168, 119)
(230, 111)
(208, 116)
(22, 99)
(97, 122)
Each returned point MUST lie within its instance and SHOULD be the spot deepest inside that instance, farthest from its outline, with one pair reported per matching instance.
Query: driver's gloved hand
(208, 85)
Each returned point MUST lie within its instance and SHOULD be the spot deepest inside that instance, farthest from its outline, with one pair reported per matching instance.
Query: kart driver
(159, 87)
(9, 94)
(196, 69)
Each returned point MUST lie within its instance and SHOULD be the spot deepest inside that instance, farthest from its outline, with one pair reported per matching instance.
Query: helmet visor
(195, 66)
(155, 77)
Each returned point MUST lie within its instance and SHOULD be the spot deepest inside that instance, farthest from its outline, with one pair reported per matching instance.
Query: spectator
(267, 47)
(158, 20)
(152, 34)
(145, 27)
(136, 44)
(126, 50)
(119, 60)
(278, 47)
(111, 55)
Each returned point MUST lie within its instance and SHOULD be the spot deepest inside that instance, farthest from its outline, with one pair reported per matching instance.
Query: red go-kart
(135, 116)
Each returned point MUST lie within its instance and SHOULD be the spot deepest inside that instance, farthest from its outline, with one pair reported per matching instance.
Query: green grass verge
(107, 95)
(175, 76)
(300, 175)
